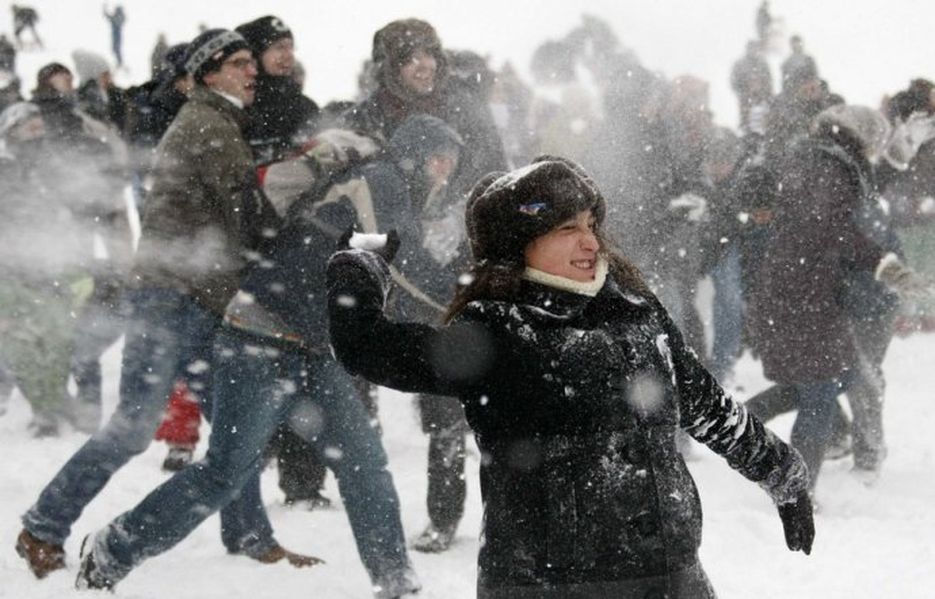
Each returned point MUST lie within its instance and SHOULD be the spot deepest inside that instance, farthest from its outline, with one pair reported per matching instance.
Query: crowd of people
(513, 213)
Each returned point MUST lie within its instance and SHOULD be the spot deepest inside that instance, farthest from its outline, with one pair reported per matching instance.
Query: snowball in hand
(367, 241)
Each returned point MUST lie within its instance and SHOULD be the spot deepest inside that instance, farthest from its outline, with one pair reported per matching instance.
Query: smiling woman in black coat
(574, 381)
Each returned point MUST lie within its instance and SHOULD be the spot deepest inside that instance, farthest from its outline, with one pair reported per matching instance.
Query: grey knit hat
(207, 51)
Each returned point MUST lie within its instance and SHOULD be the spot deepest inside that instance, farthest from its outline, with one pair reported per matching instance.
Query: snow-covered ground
(871, 543)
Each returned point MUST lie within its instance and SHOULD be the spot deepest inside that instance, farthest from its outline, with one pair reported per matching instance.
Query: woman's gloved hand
(797, 523)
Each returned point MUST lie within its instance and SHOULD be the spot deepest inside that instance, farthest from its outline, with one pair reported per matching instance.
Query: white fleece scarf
(588, 288)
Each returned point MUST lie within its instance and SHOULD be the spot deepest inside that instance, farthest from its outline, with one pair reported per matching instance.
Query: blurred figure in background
(25, 17)
(752, 83)
(116, 19)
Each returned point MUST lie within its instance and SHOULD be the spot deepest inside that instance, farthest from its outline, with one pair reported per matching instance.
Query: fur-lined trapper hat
(506, 211)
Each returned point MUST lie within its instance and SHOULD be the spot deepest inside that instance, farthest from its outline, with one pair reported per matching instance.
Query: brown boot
(42, 557)
(279, 553)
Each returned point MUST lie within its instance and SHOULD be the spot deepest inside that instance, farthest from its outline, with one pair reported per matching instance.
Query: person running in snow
(204, 220)
(275, 339)
(25, 17)
(827, 285)
(575, 381)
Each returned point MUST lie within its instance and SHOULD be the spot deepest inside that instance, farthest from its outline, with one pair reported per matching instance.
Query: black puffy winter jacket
(575, 402)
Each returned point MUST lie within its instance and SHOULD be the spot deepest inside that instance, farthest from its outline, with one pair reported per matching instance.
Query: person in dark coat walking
(804, 295)
(574, 381)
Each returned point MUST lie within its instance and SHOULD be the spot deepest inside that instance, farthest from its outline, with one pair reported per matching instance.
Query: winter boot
(42, 557)
(401, 584)
(279, 553)
(839, 447)
(89, 575)
(177, 458)
(434, 540)
(41, 427)
(315, 502)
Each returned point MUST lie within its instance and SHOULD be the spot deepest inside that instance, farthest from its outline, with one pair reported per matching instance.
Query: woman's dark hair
(502, 283)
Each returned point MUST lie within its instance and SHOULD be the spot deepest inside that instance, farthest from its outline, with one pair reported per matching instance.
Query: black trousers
(443, 421)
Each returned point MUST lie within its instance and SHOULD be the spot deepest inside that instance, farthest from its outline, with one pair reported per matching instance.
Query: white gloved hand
(906, 282)
(340, 146)
(693, 206)
(442, 237)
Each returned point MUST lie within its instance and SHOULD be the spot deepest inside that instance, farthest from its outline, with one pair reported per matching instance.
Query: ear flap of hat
(476, 192)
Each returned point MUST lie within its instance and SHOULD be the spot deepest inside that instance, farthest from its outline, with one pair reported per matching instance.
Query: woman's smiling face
(569, 250)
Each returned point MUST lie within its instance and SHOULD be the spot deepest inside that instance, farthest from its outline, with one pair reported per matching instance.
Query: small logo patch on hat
(532, 209)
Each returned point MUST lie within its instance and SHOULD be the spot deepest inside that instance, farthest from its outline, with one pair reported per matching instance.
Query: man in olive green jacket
(202, 223)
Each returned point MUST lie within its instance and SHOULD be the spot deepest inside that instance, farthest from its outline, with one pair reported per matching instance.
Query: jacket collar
(552, 302)
(203, 95)
(589, 288)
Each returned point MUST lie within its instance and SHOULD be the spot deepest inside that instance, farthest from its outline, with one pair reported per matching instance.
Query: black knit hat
(506, 211)
(261, 33)
(173, 63)
(207, 52)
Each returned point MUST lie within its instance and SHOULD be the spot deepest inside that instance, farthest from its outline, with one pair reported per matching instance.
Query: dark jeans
(258, 387)
(168, 334)
(443, 420)
(101, 322)
(727, 314)
(866, 389)
(301, 470)
(819, 421)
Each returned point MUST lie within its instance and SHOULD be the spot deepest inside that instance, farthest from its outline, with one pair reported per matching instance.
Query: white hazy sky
(864, 48)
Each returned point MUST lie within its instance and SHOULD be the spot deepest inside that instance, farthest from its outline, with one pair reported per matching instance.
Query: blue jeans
(167, 335)
(727, 313)
(257, 387)
(811, 432)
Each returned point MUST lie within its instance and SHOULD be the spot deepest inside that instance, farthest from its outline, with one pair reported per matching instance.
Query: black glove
(387, 251)
(797, 523)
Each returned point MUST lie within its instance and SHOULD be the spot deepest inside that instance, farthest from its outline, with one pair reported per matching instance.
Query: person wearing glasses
(203, 218)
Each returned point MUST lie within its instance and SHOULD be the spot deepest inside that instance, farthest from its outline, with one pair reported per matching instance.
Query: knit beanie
(174, 62)
(208, 51)
(395, 43)
(261, 33)
(506, 211)
(89, 65)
